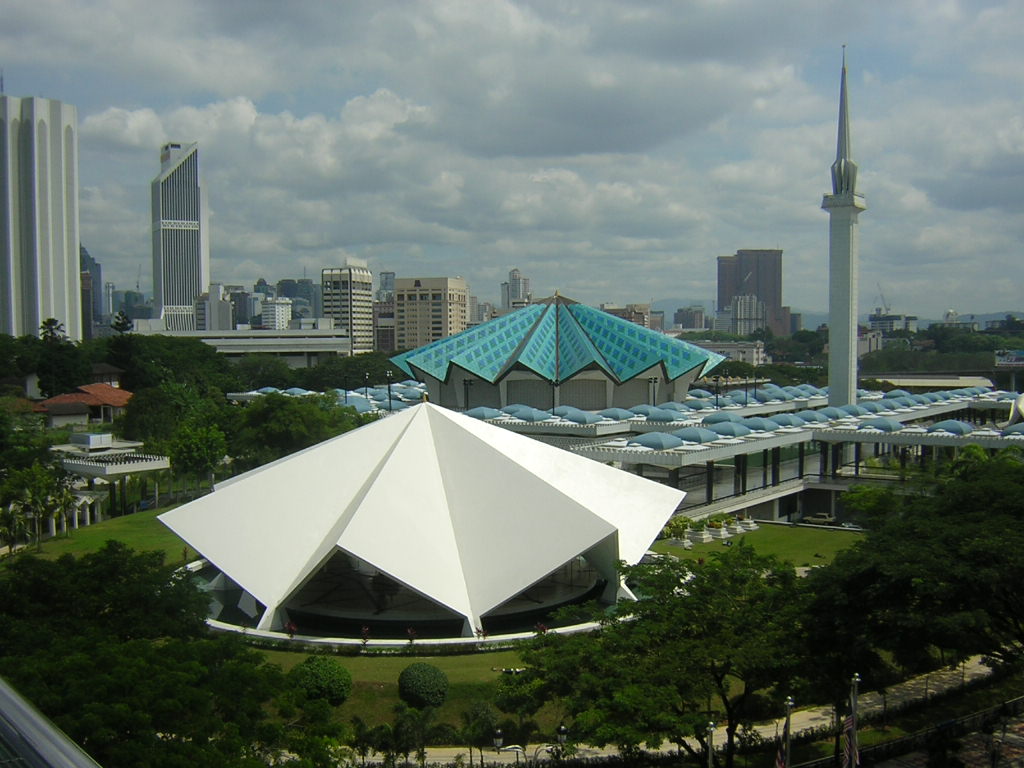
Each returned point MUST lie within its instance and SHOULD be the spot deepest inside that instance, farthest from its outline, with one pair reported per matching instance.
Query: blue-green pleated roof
(557, 338)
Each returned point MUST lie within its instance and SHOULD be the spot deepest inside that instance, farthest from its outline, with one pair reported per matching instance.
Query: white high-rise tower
(181, 241)
(844, 206)
(39, 270)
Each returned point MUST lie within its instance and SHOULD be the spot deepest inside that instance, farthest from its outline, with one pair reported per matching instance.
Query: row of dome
(710, 432)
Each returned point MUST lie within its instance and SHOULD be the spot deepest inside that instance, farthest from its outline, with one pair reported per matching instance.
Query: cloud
(607, 148)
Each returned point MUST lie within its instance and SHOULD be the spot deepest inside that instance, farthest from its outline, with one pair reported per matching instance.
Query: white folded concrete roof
(461, 511)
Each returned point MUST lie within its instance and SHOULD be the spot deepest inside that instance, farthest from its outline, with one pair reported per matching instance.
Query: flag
(851, 756)
(781, 758)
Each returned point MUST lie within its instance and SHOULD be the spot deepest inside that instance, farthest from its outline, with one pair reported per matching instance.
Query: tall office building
(348, 299)
(516, 292)
(428, 309)
(756, 273)
(844, 206)
(86, 263)
(39, 263)
(181, 239)
(386, 292)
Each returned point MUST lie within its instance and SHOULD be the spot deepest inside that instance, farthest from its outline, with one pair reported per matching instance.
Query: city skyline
(611, 152)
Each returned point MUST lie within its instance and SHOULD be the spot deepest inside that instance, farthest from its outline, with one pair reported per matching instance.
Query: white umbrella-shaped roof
(424, 497)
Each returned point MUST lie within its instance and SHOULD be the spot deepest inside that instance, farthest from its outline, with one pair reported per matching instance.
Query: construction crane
(885, 304)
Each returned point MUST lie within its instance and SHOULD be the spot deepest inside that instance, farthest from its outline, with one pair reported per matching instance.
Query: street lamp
(466, 384)
(711, 744)
(499, 740)
(785, 731)
(652, 382)
(389, 376)
(561, 733)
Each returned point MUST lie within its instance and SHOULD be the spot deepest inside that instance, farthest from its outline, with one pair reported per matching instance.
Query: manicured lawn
(802, 546)
(140, 531)
(375, 682)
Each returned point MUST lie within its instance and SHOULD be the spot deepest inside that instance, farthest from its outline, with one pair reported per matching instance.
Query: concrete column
(776, 465)
(709, 482)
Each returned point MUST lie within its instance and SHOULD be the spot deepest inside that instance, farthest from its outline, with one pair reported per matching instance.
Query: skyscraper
(516, 292)
(756, 273)
(181, 240)
(348, 298)
(843, 206)
(39, 268)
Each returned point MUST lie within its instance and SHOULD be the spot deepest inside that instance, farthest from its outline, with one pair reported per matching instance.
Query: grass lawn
(802, 546)
(375, 682)
(140, 531)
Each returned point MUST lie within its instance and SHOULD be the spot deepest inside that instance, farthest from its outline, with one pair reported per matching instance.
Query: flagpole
(786, 732)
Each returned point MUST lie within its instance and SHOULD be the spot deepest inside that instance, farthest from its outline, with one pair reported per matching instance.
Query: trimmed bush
(423, 685)
(322, 677)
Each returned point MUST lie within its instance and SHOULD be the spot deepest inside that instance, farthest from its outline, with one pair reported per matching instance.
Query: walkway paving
(871, 702)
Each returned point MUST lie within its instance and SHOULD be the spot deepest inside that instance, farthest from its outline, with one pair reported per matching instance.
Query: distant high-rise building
(213, 310)
(264, 288)
(311, 292)
(87, 263)
(755, 273)
(428, 309)
(181, 244)
(276, 314)
(384, 325)
(386, 292)
(844, 206)
(40, 275)
(108, 298)
(348, 299)
(689, 317)
(516, 292)
(86, 303)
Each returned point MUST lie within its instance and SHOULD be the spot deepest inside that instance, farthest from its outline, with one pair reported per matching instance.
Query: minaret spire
(844, 205)
(844, 170)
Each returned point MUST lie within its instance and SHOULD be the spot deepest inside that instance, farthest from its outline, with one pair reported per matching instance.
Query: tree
(260, 370)
(277, 425)
(422, 685)
(121, 323)
(322, 677)
(478, 723)
(718, 630)
(61, 365)
(33, 488)
(197, 449)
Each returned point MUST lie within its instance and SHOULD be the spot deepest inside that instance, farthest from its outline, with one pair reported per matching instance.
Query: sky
(609, 150)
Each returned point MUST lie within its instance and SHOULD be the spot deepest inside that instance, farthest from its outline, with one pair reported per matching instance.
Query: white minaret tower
(844, 206)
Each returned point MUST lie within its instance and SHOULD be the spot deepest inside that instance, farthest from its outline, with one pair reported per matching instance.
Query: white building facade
(348, 300)
(39, 240)
(181, 241)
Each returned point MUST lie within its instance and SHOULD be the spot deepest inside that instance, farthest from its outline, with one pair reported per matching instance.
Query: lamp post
(499, 740)
(711, 744)
(466, 384)
(785, 732)
(389, 376)
(652, 383)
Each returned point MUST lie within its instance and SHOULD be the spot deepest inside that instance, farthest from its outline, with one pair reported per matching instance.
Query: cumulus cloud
(610, 148)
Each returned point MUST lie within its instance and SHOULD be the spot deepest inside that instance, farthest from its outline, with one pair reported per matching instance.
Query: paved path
(915, 689)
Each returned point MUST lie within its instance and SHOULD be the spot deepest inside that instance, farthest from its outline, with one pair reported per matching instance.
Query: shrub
(322, 677)
(422, 685)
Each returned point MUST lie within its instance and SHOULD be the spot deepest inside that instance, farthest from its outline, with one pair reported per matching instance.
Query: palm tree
(13, 524)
